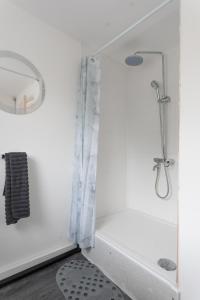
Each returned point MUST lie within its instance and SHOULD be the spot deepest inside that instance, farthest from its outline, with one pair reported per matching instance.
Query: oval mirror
(21, 85)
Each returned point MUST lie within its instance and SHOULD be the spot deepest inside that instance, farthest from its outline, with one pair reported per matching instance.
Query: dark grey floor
(40, 285)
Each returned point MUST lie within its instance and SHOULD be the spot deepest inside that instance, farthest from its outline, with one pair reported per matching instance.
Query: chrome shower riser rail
(135, 60)
(162, 161)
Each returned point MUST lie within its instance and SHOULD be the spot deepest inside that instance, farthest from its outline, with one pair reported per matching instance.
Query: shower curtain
(82, 218)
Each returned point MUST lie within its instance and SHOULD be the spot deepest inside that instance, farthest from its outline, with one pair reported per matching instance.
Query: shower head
(134, 60)
(155, 84)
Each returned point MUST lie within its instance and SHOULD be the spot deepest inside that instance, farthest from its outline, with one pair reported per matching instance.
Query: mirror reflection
(21, 85)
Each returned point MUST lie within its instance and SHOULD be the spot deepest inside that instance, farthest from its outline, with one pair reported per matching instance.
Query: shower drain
(81, 280)
(167, 264)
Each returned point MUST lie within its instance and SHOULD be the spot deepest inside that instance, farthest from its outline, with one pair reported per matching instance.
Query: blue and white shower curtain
(83, 206)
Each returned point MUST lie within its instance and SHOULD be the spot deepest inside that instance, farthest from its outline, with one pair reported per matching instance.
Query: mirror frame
(36, 73)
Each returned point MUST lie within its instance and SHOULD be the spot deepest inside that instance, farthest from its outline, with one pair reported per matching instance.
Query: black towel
(16, 189)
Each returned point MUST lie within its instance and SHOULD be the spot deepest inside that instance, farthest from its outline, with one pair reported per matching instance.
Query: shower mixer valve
(166, 162)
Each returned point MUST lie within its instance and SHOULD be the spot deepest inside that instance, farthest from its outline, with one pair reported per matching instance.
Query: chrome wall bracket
(164, 100)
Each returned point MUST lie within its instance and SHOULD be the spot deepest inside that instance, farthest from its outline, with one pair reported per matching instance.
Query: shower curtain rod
(123, 33)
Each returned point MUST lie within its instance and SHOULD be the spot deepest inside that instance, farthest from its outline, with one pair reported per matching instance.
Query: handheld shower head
(155, 84)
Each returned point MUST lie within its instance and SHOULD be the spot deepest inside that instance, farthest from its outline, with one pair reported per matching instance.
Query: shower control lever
(169, 162)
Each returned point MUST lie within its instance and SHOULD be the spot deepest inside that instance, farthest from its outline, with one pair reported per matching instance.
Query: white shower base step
(128, 247)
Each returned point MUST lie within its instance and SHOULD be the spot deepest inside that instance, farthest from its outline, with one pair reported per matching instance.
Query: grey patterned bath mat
(81, 280)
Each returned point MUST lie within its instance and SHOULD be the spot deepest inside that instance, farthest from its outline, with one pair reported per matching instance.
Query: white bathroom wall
(47, 135)
(189, 199)
(111, 170)
(143, 136)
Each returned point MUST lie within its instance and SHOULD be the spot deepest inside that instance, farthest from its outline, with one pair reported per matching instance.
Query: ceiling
(94, 22)
(160, 33)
